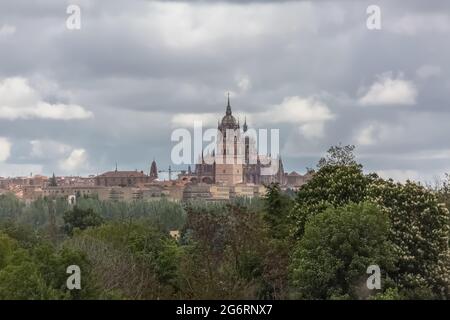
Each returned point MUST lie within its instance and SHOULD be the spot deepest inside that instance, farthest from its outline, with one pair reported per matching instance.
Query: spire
(116, 166)
(228, 113)
(153, 170)
(245, 124)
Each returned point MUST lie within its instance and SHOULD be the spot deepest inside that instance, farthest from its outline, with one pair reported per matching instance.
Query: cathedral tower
(153, 170)
(230, 150)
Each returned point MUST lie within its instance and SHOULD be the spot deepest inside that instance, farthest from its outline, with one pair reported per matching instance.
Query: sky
(76, 102)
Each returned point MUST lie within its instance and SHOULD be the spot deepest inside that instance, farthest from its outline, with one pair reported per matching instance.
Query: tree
(338, 156)
(23, 281)
(277, 208)
(331, 259)
(7, 247)
(442, 190)
(10, 207)
(130, 260)
(420, 232)
(80, 219)
(229, 254)
(52, 181)
(331, 185)
(419, 224)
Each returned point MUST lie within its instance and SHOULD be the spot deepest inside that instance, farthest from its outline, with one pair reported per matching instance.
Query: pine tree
(277, 209)
(52, 182)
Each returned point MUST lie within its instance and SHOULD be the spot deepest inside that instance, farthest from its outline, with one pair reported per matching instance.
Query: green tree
(331, 259)
(52, 181)
(80, 219)
(420, 231)
(419, 224)
(115, 248)
(338, 156)
(331, 185)
(276, 213)
(10, 207)
(7, 247)
(229, 254)
(23, 281)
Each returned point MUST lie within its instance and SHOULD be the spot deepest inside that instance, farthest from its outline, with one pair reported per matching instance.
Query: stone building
(237, 160)
(221, 192)
(118, 178)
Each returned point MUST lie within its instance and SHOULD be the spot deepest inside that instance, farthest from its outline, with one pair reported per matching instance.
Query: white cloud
(366, 136)
(312, 130)
(428, 71)
(390, 90)
(18, 100)
(243, 82)
(296, 110)
(186, 120)
(75, 161)
(6, 30)
(68, 158)
(48, 149)
(185, 26)
(5, 149)
(308, 114)
(377, 133)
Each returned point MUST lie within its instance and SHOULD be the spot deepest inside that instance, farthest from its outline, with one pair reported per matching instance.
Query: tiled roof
(124, 174)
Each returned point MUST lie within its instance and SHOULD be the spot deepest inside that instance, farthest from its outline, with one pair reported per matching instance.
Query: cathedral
(235, 159)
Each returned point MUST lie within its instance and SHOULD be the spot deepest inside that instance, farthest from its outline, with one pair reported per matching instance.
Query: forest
(313, 243)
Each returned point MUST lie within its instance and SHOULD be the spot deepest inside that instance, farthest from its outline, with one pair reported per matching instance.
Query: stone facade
(237, 161)
(217, 192)
(122, 179)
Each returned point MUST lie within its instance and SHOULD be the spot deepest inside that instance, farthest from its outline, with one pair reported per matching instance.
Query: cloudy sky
(78, 101)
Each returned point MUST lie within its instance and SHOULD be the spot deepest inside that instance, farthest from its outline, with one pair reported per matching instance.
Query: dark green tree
(78, 218)
(52, 181)
(419, 224)
(339, 244)
(331, 185)
(277, 207)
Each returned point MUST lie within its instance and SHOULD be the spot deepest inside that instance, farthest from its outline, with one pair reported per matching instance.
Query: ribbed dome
(228, 121)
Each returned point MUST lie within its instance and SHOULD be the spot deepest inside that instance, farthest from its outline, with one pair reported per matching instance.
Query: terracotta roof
(120, 174)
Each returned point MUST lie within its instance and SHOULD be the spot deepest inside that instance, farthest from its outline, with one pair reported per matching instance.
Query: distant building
(66, 191)
(196, 192)
(126, 178)
(246, 167)
(295, 180)
(220, 192)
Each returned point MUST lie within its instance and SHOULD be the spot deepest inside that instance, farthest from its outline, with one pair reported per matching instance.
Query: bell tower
(230, 156)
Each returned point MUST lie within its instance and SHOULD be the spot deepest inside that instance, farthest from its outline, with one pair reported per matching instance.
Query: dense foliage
(314, 243)
(338, 245)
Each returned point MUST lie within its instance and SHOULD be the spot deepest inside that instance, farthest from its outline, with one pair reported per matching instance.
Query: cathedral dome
(229, 121)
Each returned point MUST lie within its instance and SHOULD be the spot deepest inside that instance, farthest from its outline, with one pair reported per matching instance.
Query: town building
(118, 178)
